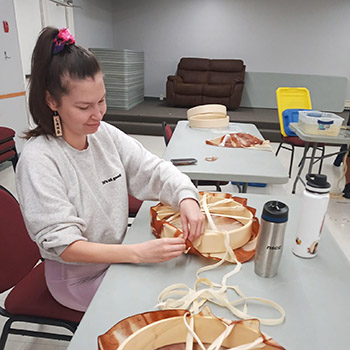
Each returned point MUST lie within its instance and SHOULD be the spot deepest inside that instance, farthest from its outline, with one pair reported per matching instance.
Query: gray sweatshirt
(68, 195)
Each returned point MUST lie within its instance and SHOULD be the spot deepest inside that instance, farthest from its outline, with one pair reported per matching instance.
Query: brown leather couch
(202, 81)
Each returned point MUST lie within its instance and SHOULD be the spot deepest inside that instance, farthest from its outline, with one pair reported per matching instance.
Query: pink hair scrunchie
(62, 39)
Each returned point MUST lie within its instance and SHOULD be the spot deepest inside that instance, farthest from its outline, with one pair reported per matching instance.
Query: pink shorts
(74, 285)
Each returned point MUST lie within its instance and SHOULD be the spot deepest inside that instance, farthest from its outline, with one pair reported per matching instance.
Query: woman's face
(82, 109)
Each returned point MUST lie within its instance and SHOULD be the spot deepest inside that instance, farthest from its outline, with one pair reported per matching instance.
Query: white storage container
(319, 123)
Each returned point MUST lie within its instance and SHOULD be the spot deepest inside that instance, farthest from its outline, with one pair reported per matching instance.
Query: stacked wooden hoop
(208, 116)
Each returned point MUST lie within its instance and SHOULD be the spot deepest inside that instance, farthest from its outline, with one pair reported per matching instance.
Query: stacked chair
(8, 150)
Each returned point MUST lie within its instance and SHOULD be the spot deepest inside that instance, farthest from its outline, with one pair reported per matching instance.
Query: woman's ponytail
(54, 58)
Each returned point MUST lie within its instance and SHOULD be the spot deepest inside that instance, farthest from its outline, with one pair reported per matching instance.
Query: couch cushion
(217, 90)
(223, 78)
(188, 89)
(226, 65)
(193, 76)
(189, 63)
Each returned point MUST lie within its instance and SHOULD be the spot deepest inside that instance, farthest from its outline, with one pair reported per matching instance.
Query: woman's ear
(50, 101)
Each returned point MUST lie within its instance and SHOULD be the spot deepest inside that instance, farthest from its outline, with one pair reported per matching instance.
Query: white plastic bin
(319, 123)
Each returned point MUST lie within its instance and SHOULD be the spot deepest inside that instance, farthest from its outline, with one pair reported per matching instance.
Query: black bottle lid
(275, 211)
(317, 183)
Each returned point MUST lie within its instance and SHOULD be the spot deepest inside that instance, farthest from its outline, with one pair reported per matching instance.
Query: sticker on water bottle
(305, 248)
(313, 248)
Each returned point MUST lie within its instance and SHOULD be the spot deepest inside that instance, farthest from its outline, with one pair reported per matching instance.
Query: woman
(75, 173)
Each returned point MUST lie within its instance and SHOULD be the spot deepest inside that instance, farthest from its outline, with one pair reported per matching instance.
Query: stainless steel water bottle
(312, 214)
(269, 246)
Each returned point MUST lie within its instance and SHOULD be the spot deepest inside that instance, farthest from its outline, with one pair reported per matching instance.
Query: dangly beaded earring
(57, 124)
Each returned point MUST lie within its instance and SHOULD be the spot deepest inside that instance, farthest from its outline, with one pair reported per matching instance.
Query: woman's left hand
(192, 219)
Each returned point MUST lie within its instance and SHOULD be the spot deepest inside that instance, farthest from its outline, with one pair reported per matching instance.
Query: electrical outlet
(347, 105)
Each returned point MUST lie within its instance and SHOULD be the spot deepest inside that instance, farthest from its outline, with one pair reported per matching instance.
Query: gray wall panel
(327, 92)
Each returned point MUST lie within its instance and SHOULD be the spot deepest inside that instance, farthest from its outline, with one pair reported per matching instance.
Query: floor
(338, 218)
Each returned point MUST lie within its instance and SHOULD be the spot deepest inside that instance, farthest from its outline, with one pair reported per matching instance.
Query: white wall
(299, 36)
(94, 23)
(29, 23)
(29, 27)
(13, 112)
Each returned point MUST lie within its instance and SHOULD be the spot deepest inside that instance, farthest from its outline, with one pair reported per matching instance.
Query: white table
(313, 292)
(233, 164)
(342, 139)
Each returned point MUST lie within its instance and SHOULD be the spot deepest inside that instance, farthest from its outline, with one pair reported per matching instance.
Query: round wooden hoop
(209, 108)
(208, 121)
(212, 242)
(173, 331)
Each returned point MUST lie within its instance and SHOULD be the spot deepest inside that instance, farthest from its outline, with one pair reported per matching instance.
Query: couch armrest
(175, 78)
(236, 93)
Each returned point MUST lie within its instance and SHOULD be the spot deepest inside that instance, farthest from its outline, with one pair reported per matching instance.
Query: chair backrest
(291, 98)
(167, 133)
(18, 254)
(134, 206)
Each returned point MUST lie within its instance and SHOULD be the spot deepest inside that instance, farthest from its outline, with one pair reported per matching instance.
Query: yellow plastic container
(291, 98)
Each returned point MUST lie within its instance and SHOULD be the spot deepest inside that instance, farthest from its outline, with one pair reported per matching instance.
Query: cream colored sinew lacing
(205, 208)
(217, 343)
(194, 299)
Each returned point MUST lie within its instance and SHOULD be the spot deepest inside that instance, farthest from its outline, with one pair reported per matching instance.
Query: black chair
(343, 149)
(290, 142)
(22, 272)
(167, 134)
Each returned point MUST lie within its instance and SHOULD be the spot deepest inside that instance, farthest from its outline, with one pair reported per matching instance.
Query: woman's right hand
(159, 250)
(153, 251)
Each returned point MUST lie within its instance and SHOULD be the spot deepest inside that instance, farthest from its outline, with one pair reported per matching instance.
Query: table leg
(321, 160)
(312, 159)
(306, 148)
(244, 187)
